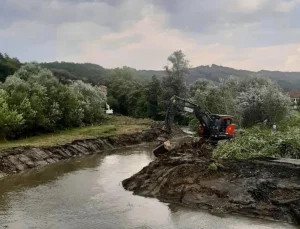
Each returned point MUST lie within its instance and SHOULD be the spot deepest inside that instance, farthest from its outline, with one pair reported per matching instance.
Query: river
(87, 193)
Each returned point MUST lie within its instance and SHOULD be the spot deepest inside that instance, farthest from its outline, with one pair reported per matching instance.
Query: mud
(18, 159)
(189, 176)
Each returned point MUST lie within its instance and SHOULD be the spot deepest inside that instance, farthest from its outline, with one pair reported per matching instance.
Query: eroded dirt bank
(23, 158)
(188, 176)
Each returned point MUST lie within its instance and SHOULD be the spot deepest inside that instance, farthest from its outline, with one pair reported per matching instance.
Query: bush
(261, 142)
(33, 101)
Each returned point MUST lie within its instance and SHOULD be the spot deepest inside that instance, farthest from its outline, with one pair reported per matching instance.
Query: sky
(243, 34)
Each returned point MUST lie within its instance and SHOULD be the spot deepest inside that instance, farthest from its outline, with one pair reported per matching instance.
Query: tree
(8, 66)
(125, 88)
(153, 95)
(251, 100)
(174, 82)
(88, 73)
(91, 100)
(9, 119)
(46, 105)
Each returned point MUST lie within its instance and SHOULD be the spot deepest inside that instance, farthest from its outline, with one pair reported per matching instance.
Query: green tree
(251, 100)
(174, 82)
(91, 100)
(46, 105)
(153, 91)
(8, 66)
(9, 119)
(123, 88)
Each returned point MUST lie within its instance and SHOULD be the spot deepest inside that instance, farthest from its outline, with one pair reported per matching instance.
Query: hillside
(87, 72)
(96, 74)
(289, 81)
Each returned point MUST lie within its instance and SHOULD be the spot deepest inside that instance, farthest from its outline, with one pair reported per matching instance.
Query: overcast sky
(244, 34)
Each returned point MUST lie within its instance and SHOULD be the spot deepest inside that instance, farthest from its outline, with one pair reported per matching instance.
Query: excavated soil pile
(188, 176)
(18, 159)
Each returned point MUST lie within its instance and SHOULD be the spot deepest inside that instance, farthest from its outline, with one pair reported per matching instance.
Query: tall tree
(153, 96)
(174, 82)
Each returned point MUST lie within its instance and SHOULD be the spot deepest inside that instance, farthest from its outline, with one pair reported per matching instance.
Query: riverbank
(18, 159)
(111, 125)
(189, 176)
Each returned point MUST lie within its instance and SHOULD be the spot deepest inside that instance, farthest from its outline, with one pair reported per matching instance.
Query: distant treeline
(67, 95)
(8, 66)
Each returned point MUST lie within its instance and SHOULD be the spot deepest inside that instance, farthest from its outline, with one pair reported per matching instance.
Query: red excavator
(211, 127)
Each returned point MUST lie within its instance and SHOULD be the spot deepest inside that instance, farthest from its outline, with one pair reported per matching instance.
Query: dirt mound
(188, 176)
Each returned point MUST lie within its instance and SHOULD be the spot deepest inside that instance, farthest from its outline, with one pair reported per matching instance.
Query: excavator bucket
(162, 148)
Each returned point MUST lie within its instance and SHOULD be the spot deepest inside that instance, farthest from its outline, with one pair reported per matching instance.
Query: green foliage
(45, 104)
(9, 119)
(128, 95)
(174, 82)
(212, 167)
(91, 101)
(292, 120)
(124, 90)
(262, 142)
(8, 66)
(251, 100)
(89, 73)
(60, 98)
(153, 93)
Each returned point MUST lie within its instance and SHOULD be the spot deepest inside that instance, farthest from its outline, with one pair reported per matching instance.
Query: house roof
(294, 94)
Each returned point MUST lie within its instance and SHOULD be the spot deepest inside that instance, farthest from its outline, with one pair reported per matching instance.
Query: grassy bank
(113, 125)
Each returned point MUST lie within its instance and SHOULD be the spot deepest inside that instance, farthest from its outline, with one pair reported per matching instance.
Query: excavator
(211, 127)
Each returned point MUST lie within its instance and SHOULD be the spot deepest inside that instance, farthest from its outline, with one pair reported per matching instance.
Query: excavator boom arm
(187, 106)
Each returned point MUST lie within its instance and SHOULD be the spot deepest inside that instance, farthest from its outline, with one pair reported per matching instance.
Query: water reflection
(87, 193)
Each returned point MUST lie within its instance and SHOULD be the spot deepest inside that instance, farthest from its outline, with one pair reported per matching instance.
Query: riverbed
(87, 193)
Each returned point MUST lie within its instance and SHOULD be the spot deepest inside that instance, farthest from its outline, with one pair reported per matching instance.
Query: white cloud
(138, 34)
(248, 5)
(155, 42)
(286, 6)
(26, 30)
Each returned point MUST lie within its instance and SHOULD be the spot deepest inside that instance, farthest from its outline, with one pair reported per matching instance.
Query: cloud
(256, 34)
(286, 6)
(32, 30)
(248, 6)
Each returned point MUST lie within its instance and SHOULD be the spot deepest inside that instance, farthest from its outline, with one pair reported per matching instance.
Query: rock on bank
(188, 176)
(18, 159)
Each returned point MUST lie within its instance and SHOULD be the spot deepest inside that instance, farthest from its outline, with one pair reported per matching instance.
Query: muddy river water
(87, 193)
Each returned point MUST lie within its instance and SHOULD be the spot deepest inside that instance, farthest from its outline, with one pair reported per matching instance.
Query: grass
(112, 125)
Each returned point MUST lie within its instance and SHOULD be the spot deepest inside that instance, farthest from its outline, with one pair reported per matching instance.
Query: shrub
(260, 142)
(33, 101)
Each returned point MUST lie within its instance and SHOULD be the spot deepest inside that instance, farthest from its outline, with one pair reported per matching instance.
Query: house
(295, 98)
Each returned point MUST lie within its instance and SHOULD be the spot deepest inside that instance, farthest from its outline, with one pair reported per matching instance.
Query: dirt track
(188, 176)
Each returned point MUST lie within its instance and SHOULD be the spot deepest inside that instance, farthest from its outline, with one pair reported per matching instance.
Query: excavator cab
(222, 127)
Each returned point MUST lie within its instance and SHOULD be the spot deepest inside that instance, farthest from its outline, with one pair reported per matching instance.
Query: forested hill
(87, 72)
(289, 81)
(96, 74)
